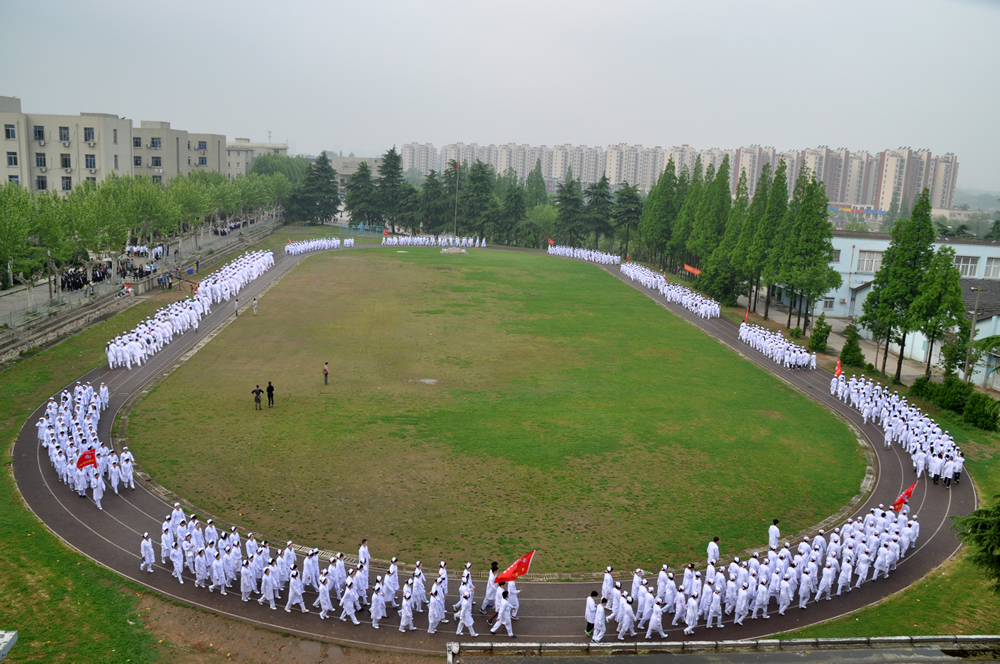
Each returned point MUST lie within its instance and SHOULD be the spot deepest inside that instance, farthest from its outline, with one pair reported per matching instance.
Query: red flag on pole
(551, 242)
(746, 315)
(456, 164)
(839, 370)
(88, 458)
(519, 567)
(903, 498)
(626, 258)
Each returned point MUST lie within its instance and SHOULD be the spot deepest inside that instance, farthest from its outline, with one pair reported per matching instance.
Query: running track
(551, 612)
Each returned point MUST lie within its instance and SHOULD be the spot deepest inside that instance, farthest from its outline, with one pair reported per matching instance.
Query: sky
(363, 76)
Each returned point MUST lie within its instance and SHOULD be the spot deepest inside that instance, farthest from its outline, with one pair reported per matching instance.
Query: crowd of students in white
(68, 429)
(318, 244)
(431, 241)
(932, 450)
(588, 255)
(142, 250)
(776, 347)
(857, 552)
(152, 334)
(696, 303)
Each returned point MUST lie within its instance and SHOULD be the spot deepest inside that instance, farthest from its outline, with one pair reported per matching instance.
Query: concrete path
(549, 611)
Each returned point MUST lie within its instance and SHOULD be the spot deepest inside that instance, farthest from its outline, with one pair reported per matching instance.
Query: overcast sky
(362, 76)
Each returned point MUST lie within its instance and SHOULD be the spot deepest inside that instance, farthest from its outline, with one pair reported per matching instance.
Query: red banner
(551, 242)
(839, 370)
(903, 497)
(520, 567)
(693, 270)
(88, 458)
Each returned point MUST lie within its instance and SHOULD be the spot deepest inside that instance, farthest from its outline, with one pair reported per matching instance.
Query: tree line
(44, 233)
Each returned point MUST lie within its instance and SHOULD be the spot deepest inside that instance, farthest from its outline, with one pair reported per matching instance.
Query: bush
(820, 334)
(953, 393)
(795, 333)
(920, 388)
(870, 368)
(982, 410)
(852, 355)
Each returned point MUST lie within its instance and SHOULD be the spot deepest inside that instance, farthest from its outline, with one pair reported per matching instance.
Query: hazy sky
(362, 76)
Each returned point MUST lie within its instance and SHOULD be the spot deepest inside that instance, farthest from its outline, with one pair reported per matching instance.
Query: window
(9, 132)
(276, 151)
(237, 153)
(189, 145)
(827, 303)
(157, 179)
(12, 159)
(40, 160)
(203, 161)
(137, 161)
(14, 179)
(154, 143)
(156, 161)
(229, 164)
(992, 268)
(39, 133)
(237, 164)
(114, 138)
(967, 265)
(869, 261)
(92, 180)
(88, 133)
(229, 153)
(67, 183)
(116, 162)
(836, 255)
(203, 145)
(136, 142)
(41, 183)
(189, 161)
(64, 161)
(90, 161)
(63, 133)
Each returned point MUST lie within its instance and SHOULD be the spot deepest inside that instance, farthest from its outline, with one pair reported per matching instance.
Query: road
(550, 611)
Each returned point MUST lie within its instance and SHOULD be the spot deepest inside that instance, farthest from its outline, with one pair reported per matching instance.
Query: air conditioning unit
(159, 170)
(66, 144)
(69, 170)
(843, 300)
(90, 143)
(93, 170)
(42, 169)
(41, 142)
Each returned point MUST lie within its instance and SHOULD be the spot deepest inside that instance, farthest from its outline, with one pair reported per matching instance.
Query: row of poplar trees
(745, 243)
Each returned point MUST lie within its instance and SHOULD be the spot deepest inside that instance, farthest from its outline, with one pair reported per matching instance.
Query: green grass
(65, 608)
(571, 414)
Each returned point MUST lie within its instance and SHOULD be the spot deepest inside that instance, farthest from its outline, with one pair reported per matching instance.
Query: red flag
(746, 315)
(903, 498)
(626, 258)
(456, 164)
(519, 567)
(839, 370)
(88, 458)
(551, 242)
(385, 231)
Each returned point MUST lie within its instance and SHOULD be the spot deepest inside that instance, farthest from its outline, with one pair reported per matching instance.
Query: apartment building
(348, 166)
(162, 152)
(46, 152)
(241, 153)
(422, 156)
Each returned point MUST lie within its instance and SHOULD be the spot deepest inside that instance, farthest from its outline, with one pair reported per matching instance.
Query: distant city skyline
(364, 76)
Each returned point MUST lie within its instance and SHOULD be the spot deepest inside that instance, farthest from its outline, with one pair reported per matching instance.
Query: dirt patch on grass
(187, 636)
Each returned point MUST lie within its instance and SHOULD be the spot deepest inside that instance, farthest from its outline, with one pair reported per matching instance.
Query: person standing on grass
(255, 306)
(326, 373)
(256, 397)
(270, 395)
(237, 307)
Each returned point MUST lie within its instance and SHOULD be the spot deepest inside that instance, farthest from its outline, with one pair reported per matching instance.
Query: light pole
(972, 333)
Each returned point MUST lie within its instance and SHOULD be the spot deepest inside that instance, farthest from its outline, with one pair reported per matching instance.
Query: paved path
(550, 611)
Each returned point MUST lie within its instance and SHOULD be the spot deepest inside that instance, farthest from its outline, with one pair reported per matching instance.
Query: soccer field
(482, 405)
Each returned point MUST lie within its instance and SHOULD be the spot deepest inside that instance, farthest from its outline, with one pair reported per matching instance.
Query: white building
(422, 156)
(241, 153)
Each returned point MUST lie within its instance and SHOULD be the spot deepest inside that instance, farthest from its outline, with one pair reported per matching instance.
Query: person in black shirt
(256, 397)
(270, 394)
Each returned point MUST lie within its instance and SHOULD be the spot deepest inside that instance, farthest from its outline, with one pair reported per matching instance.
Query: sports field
(485, 404)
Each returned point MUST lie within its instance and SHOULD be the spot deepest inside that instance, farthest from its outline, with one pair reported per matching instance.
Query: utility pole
(972, 334)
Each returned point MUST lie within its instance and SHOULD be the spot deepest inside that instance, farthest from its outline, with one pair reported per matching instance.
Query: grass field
(570, 414)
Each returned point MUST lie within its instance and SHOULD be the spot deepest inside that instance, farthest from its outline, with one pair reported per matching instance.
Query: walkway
(551, 612)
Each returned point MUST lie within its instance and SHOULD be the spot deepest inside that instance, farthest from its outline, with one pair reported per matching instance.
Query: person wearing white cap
(691, 614)
(325, 605)
(295, 594)
(742, 603)
(760, 603)
(773, 535)
(491, 587)
(625, 618)
(126, 464)
(406, 609)
(247, 582)
(177, 558)
(251, 544)
(419, 591)
(600, 620)
(391, 584)
(609, 582)
(826, 582)
(308, 577)
(97, 485)
(435, 607)
(443, 575)
(218, 575)
(363, 555)
(210, 533)
(844, 580)
(515, 603)
(713, 550)
(166, 542)
(147, 553)
(655, 620)
(785, 594)
(715, 608)
(377, 609)
(464, 615)
(267, 589)
(200, 569)
(636, 581)
(349, 602)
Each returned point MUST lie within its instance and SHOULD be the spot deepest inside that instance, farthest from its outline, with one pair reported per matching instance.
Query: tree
(537, 193)
(434, 204)
(600, 204)
(16, 212)
(677, 244)
(361, 197)
(939, 305)
(479, 204)
(293, 168)
(742, 254)
(627, 210)
(317, 197)
(569, 225)
(720, 276)
(712, 213)
(980, 531)
(659, 211)
(820, 335)
(765, 249)
(851, 354)
(856, 225)
(892, 216)
(391, 194)
(538, 225)
(414, 176)
(514, 209)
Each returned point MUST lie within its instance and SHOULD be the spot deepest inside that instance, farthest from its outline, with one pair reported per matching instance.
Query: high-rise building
(422, 156)
(944, 178)
(751, 160)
